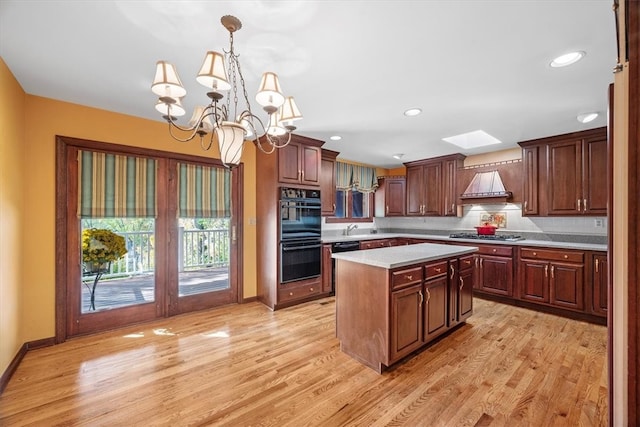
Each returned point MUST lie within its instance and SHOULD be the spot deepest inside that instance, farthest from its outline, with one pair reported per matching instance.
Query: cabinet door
(595, 185)
(450, 187)
(530, 181)
(600, 285)
(564, 178)
(495, 275)
(566, 285)
(310, 165)
(406, 321)
(328, 187)
(394, 197)
(327, 268)
(432, 190)
(465, 293)
(415, 189)
(435, 316)
(288, 164)
(534, 281)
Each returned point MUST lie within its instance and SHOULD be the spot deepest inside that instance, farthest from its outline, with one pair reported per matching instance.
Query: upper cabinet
(566, 174)
(299, 162)
(390, 196)
(328, 182)
(431, 186)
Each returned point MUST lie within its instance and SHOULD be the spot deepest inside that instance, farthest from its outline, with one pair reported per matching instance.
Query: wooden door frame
(63, 182)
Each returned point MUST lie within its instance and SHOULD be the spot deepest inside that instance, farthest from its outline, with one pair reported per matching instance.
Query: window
(352, 204)
(355, 185)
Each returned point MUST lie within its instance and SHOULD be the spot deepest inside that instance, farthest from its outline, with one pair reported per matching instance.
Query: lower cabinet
(407, 320)
(600, 291)
(553, 277)
(327, 269)
(494, 270)
(392, 313)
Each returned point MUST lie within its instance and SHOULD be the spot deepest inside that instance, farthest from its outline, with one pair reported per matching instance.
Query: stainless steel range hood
(486, 185)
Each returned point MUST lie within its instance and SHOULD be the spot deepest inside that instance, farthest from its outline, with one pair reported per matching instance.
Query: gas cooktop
(504, 237)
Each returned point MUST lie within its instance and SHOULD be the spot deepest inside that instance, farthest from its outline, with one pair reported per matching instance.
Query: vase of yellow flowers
(99, 248)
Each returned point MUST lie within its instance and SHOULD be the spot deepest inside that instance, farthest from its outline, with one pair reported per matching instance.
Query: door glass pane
(204, 251)
(127, 280)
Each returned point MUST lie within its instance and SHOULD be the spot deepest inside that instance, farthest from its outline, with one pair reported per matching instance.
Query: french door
(177, 260)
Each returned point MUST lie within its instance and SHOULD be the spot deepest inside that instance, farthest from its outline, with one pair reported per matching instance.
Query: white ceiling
(352, 66)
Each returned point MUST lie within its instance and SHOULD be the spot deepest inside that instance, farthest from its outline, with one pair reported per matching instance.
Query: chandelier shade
(212, 74)
(289, 111)
(166, 82)
(226, 120)
(270, 95)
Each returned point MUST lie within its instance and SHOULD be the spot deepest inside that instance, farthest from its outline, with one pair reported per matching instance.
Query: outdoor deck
(114, 293)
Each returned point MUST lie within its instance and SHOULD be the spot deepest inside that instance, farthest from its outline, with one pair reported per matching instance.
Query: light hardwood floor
(244, 365)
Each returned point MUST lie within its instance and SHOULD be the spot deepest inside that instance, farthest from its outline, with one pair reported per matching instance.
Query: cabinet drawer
(495, 250)
(373, 244)
(406, 277)
(435, 270)
(294, 292)
(546, 254)
(466, 262)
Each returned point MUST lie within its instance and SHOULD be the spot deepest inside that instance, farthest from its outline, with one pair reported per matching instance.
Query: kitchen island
(392, 301)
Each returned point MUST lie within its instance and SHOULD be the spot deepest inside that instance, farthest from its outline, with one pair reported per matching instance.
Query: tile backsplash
(515, 222)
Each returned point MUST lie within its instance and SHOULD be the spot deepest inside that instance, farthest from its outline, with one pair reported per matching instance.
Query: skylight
(475, 139)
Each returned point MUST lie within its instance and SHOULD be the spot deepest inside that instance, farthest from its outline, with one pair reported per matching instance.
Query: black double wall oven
(300, 234)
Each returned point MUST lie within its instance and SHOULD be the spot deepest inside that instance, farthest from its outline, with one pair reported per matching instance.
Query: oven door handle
(294, 248)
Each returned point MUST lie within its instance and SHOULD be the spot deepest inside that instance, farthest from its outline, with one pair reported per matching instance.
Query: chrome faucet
(350, 227)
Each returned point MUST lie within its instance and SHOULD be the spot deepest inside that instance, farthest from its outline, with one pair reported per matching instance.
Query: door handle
(453, 272)
(546, 271)
(421, 297)
(579, 204)
(428, 295)
(461, 283)
(552, 268)
(597, 263)
(584, 205)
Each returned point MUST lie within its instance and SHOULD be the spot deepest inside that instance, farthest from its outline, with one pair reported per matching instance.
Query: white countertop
(400, 256)
(447, 239)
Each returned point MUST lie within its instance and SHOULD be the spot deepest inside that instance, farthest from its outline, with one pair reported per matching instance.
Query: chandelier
(225, 122)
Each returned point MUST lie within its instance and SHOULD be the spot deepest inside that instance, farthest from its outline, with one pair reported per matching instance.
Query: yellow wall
(30, 146)
(12, 189)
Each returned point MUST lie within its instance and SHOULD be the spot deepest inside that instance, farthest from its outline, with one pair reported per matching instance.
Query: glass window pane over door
(204, 229)
(128, 280)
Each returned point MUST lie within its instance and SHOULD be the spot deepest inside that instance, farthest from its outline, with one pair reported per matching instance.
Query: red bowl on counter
(486, 230)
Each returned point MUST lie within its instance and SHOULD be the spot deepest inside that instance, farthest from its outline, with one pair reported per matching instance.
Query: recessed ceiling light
(567, 59)
(412, 112)
(477, 138)
(335, 138)
(398, 156)
(586, 118)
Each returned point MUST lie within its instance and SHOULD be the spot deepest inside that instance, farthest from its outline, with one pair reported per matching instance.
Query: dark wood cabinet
(377, 243)
(328, 182)
(494, 270)
(431, 186)
(450, 185)
(600, 291)
(465, 286)
(530, 181)
(283, 167)
(406, 321)
(566, 174)
(390, 196)
(402, 308)
(299, 163)
(436, 307)
(554, 277)
(327, 269)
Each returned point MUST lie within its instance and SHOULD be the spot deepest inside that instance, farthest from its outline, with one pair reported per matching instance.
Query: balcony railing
(196, 249)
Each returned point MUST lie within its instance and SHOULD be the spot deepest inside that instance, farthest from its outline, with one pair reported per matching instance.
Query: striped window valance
(115, 186)
(362, 178)
(203, 191)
